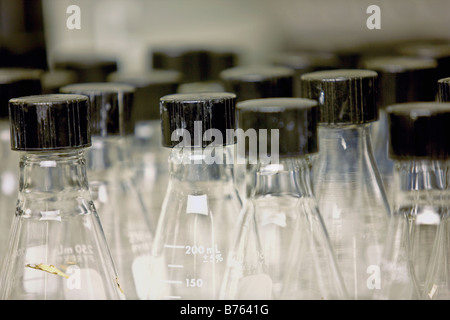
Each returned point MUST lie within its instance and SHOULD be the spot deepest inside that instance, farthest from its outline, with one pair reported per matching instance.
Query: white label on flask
(197, 204)
(50, 215)
(84, 284)
(9, 183)
(141, 269)
(35, 279)
(47, 164)
(278, 218)
(255, 287)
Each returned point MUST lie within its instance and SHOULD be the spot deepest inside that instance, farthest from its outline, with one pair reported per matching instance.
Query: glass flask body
(57, 248)
(353, 204)
(197, 221)
(380, 136)
(9, 177)
(150, 166)
(282, 250)
(122, 212)
(420, 207)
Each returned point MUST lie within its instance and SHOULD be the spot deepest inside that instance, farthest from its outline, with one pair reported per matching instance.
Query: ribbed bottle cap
(419, 130)
(294, 118)
(49, 122)
(261, 81)
(444, 90)
(195, 111)
(345, 96)
(110, 105)
(403, 79)
(89, 68)
(18, 82)
(149, 88)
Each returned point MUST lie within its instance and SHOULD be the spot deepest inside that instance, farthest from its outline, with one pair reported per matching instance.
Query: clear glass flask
(14, 82)
(416, 249)
(201, 206)
(401, 79)
(57, 249)
(347, 184)
(254, 82)
(148, 158)
(282, 250)
(119, 203)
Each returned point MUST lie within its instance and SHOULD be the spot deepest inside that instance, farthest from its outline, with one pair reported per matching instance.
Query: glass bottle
(57, 249)
(88, 67)
(400, 79)
(305, 62)
(148, 158)
(254, 82)
(347, 184)
(282, 249)
(14, 82)
(439, 51)
(199, 64)
(201, 206)
(119, 204)
(415, 247)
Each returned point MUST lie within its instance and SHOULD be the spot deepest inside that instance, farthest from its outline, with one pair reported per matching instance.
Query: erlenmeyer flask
(57, 249)
(401, 79)
(14, 82)
(419, 147)
(118, 201)
(148, 159)
(254, 82)
(282, 249)
(201, 206)
(347, 184)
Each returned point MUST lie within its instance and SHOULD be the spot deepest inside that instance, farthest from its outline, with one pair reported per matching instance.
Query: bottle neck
(201, 164)
(349, 141)
(290, 177)
(422, 175)
(107, 153)
(50, 179)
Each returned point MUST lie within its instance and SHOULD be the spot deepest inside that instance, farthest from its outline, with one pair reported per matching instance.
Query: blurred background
(34, 32)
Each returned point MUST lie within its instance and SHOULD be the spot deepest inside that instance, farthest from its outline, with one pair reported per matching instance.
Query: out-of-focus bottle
(14, 83)
(416, 249)
(88, 67)
(201, 207)
(254, 82)
(57, 249)
(347, 184)
(199, 64)
(53, 80)
(305, 62)
(149, 159)
(439, 51)
(119, 203)
(400, 79)
(282, 249)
